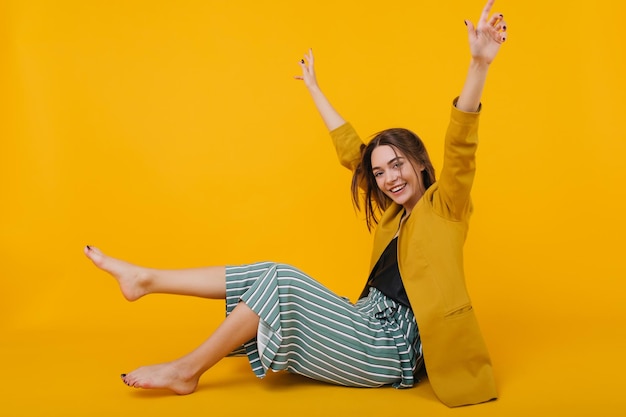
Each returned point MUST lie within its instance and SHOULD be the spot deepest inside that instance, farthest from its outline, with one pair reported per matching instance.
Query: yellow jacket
(430, 259)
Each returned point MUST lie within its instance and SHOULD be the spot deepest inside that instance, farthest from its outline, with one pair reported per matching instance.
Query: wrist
(314, 88)
(478, 64)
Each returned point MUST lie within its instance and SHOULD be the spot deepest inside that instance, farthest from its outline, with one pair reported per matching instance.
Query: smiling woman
(409, 315)
(399, 181)
(386, 156)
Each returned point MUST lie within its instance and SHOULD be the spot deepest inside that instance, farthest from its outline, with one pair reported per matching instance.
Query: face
(397, 177)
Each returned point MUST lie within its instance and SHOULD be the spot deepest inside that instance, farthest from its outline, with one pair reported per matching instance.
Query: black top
(386, 276)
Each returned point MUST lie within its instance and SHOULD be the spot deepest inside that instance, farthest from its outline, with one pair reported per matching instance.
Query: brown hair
(364, 184)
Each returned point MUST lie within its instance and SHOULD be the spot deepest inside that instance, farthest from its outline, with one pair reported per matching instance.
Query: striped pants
(308, 330)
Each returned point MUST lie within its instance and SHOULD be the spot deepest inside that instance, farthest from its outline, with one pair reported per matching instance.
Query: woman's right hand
(331, 118)
(308, 71)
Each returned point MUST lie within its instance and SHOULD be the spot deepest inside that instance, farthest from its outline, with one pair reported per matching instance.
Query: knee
(289, 276)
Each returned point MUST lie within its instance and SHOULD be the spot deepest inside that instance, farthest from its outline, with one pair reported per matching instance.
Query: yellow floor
(544, 367)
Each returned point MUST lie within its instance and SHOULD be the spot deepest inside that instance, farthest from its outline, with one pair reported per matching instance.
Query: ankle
(187, 369)
(145, 280)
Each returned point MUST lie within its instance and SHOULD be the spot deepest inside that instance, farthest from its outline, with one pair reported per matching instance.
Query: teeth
(398, 188)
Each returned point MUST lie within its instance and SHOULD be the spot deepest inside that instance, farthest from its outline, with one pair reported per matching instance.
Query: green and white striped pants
(308, 330)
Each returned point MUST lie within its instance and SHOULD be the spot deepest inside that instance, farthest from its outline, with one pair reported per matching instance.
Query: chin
(400, 201)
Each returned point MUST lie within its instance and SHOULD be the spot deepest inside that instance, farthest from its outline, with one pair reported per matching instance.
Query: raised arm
(484, 40)
(457, 175)
(332, 119)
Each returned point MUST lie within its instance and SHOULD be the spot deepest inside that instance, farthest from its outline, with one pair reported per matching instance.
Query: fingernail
(88, 247)
(501, 15)
(504, 27)
(465, 21)
(302, 61)
(123, 375)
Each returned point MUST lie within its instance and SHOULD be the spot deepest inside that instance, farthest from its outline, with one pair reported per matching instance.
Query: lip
(398, 188)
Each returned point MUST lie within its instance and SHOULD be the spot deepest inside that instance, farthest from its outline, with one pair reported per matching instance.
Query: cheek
(409, 175)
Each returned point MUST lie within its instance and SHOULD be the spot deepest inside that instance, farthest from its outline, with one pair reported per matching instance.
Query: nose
(391, 176)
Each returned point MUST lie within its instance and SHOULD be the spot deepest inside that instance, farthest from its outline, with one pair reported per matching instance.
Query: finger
(486, 10)
(308, 60)
(303, 65)
(501, 26)
(496, 19)
(470, 29)
(311, 59)
(499, 34)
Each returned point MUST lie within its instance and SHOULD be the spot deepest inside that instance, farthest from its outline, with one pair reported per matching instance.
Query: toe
(128, 379)
(94, 254)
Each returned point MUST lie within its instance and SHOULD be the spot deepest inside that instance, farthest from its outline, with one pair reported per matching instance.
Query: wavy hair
(364, 186)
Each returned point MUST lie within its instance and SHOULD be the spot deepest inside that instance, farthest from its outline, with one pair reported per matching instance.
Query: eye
(378, 174)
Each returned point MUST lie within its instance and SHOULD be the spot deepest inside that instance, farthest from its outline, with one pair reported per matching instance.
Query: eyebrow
(396, 159)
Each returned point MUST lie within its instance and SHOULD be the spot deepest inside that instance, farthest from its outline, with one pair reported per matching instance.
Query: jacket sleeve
(452, 197)
(348, 146)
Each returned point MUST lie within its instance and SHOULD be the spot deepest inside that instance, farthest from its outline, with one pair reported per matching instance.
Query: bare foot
(164, 376)
(132, 279)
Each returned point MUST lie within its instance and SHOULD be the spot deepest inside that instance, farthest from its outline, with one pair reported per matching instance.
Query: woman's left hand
(485, 39)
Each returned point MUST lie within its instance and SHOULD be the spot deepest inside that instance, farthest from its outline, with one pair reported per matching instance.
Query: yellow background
(172, 134)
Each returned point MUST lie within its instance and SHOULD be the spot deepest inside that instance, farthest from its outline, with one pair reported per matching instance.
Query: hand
(332, 119)
(485, 39)
(308, 70)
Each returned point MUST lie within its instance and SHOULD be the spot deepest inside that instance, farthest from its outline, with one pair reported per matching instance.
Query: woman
(284, 320)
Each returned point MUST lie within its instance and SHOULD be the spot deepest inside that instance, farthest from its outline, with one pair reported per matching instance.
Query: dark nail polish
(302, 61)
(123, 375)
(88, 247)
(503, 27)
(465, 21)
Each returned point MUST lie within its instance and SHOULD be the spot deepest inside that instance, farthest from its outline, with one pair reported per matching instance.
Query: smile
(398, 188)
